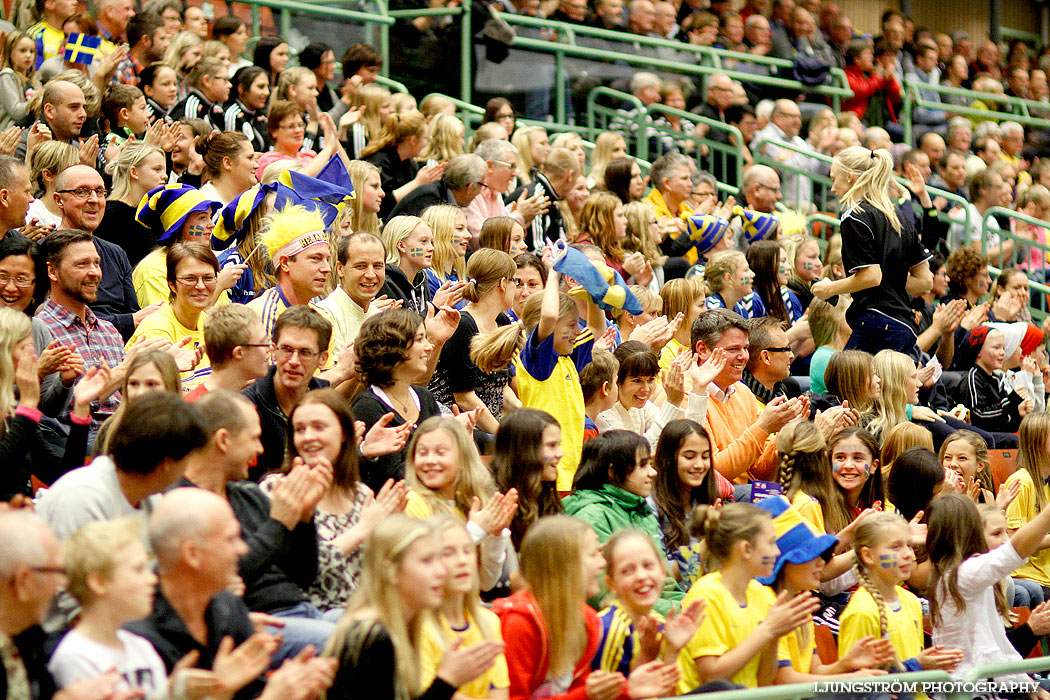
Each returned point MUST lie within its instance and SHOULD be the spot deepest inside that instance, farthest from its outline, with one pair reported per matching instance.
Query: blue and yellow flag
(83, 49)
(327, 193)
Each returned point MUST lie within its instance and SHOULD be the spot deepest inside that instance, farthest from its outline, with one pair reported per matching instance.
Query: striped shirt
(95, 340)
(269, 305)
(252, 124)
(196, 106)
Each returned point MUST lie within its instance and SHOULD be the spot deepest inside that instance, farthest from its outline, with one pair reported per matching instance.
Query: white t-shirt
(78, 658)
(38, 211)
(86, 495)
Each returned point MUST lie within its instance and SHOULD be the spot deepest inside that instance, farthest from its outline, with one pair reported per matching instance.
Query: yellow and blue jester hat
(165, 209)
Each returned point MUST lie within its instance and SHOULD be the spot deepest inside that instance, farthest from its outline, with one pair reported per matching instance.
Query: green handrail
(800, 691)
(1007, 234)
(820, 183)
(725, 150)
(1041, 663)
(314, 9)
(390, 83)
(913, 99)
(594, 110)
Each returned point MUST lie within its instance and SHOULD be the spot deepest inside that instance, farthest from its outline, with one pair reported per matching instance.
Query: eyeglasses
(221, 78)
(22, 281)
(505, 164)
(194, 280)
(283, 352)
(771, 189)
(85, 192)
(253, 345)
(49, 570)
(783, 349)
(293, 127)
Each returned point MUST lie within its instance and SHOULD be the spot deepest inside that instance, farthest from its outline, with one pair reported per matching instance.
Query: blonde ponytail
(873, 183)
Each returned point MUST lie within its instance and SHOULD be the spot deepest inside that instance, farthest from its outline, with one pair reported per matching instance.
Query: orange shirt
(742, 450)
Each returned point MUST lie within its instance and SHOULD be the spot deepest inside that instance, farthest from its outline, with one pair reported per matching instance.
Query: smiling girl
(451, 240)
(803, 253)
(729, 278)
(994, 405)
(17, 77)
(445, 475)
(854, 460)
(461, 619)
(525, 459)
(966, 453)
(551, 634)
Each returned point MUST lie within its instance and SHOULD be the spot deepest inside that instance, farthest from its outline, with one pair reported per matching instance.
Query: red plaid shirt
(95, 339)
(128, 71)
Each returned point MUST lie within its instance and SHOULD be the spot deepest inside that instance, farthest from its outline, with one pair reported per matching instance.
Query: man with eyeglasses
(743, 433)
(81, 197)
(301, 337)
(769, 360)
(459, 185)
(237, 348)
(761, 189)
(500, 157)
(784, 126)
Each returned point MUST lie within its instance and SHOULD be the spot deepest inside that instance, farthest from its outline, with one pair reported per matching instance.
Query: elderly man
(758, 35)
(361, 268)
(719, 98)
(608, 14)
(500, 157)
(571, 11)
(784, 125)
(1011, 143)
(62, 111)
(81, 197)
(839, 35)
(641, 17)
(458, 186)
(113, 18)
(932, 144)
(16, 194)
(761, 189)
(803, 39)
(743, 442)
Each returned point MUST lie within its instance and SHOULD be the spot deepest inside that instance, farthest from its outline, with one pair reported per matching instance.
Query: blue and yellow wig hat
(796, 538)
(231, 226)
(165, 209)
(602, 283)
(706, 230)
(757, 225)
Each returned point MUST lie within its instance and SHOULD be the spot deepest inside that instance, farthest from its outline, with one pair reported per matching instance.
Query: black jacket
(280, 563)
(274, 422)
(544, 226)
(30, 645)
(120, 228)
(393, 173)
(368, 407)
(414, 295)
(226, 616)
(116, 301)
(422, 197)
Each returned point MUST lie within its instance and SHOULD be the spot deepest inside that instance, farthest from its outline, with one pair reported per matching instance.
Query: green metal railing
(391, 84)
(1021, 247)
(1022, 109)
(820, 182)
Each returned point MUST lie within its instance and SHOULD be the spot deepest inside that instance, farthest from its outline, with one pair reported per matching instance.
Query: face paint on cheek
(416, 252)
(837, 466)
(196, 231)
(808, 266)
(768, 560)
(888, 561)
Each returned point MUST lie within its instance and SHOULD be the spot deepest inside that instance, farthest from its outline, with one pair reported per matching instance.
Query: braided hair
(867, 535)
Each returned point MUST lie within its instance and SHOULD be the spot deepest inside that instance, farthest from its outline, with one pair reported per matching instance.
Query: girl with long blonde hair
(139, 168)
(394, 151)
(375, 105)
(377, 642)
(899, 381)
(362, 212)
(560, 565)
(1033, 494)
(533, 149)
(461, 618)
(643, 234)
(451, 239)
(603, 223)
(884, 257)
(608, 146)
(447, 138)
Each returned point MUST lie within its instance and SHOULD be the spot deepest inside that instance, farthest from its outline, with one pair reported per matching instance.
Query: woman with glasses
(193, 278)
(175, 214)
(288, 132)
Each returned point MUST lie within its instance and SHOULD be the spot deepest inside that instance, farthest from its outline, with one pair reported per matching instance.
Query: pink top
(304, 156)
(1037, 258)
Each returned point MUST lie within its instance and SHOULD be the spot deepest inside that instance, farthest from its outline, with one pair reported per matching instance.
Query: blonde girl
(139, 168)
(632, 632)
(447, 138)
(682, 298)
(243, 219)
(445, 475)
(830, 332)
(602, 222)
(533, 149)
(1033, 494)
(461, 619)
(549, 631)
(729, 279)
(966, 453)
(373, 102)
(803, 253)
(880, 607)
(851, 378)
(737, 640)
(608, 146)
(882, 257)
(377, 641)
(184, 50)
(148, 371)
(17, 77)
(803, 470)
(651, 305)
(362, 212)
(504, 234)
(572, 141)
(898, 398)
(901, 438)
(1019, 592)
(643, 236)
(451, 240)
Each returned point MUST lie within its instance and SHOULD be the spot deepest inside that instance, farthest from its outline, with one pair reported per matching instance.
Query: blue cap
(796, 538)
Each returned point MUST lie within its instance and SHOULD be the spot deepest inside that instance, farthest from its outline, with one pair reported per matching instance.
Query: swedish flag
(83, 49)
(327, 193)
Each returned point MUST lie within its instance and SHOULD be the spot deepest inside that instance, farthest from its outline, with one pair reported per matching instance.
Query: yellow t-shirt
(809, 508)
(559, 394)
(725, 626)
(860, 619)
(52, 38)
(163, 324)
(438, 636)
(796, 649)
(1021, 511)
(150, 278)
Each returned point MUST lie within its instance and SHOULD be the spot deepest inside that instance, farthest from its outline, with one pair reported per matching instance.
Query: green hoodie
(610, 509)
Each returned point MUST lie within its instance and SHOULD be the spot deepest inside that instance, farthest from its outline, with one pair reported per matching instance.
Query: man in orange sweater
(742, 436)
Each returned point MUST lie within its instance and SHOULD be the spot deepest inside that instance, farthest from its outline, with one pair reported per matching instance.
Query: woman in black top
(885, 261)
(404, 137)
(377, 642)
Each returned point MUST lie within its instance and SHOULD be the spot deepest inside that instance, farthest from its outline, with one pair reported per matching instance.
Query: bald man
(62, 111)
(784, 126)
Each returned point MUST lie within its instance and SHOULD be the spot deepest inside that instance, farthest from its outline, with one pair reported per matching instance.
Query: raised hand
(495, 515)
(649, 642)
(383, 303)
(1039, 620)
(441, 325)
(468, 418)
(235, 668)
(705, 373)
(789, 613)
(917, 528)
(392, 498)
(382, 440)
(1007, 493)
(89, 389)
(673, 378)
(9, 140)
(38, 134)
(229, 276)
(53, 357)
(186, 355)
(145, 311)
(89, 151)
(448, 294)
(869, 653)
(27, 378)
(607, 340)
(680, 626)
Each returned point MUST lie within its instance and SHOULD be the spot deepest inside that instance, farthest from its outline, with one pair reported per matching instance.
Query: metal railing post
(466, 49)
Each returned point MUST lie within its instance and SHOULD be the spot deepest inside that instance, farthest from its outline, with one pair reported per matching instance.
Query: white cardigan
(650, 420)
(979, 631)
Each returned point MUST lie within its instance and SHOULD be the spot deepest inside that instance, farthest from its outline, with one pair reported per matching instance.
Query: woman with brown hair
(602, 222)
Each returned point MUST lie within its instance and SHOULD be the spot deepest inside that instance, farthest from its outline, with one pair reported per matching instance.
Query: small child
(18, 78)
(880, 607)
(598, 381)
(126, 113)
(993, 404)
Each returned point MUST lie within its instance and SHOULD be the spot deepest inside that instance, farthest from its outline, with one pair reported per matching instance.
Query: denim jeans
(304, 624)
(873, 331)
